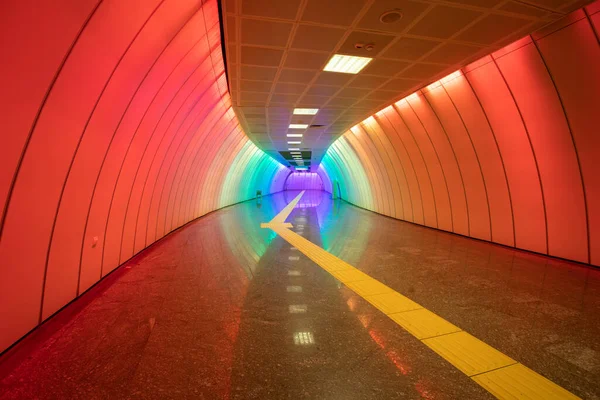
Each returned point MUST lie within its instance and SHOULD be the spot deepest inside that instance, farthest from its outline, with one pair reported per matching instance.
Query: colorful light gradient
(503, 150)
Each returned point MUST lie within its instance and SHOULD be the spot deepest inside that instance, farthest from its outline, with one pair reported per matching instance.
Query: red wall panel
(107, 109)
(572, 55)
(517, 155)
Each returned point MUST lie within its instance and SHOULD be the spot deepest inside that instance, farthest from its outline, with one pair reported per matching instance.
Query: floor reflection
(224, 309)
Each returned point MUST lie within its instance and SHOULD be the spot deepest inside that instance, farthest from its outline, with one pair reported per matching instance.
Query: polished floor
(223, 309)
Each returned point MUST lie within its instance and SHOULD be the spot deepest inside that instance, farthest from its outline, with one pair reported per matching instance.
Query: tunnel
(320, 199)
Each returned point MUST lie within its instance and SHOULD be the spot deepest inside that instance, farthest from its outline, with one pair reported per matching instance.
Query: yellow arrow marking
(499, 374)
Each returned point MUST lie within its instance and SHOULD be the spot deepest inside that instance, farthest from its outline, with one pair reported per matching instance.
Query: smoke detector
(391, 16)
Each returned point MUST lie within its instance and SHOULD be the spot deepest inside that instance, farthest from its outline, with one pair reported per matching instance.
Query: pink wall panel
(517, 155)
(572, 55)
(505, 149)
(114, 103)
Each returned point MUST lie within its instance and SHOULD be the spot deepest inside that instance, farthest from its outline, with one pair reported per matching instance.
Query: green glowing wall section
(342, 163)
(250, 170)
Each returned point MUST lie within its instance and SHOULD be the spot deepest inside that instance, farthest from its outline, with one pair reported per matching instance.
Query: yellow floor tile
(423, 323)
(519, 382)
(393, 302)
(350, 275)
(467, 353)
(368, 287)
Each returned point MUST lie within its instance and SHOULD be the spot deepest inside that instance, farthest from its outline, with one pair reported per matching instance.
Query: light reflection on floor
(224, 309)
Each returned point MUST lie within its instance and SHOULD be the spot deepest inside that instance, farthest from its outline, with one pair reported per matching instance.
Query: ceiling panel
(276, 51)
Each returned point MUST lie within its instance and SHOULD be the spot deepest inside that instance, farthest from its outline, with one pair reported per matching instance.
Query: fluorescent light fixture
(294, 135)
(347, 64)
(295, 152)
(298, 126)
(302, 168)
(296, 142)
(305, 111)
(293, 148)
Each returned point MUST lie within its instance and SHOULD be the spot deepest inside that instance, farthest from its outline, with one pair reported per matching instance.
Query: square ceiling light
(347, 64)
(294, 135)
(298, 126)
(305, 111)
(294, 142)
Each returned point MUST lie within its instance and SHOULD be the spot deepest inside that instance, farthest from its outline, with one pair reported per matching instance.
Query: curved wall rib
(118, 133)
(504, 150)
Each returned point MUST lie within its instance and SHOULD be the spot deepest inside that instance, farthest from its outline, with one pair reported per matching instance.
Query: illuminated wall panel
(304, 181)
(119, 134)
(505, 149)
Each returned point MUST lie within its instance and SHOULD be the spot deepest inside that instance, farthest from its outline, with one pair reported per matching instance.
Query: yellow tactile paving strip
(499, 374)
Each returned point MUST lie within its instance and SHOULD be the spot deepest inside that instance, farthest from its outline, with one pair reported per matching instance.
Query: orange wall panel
(517, 155)
(488, 156)
(550, 137)
(505, 149)
(468, 163)
(433, 166)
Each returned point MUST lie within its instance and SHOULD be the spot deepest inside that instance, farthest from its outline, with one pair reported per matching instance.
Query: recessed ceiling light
(296, 152)
(294, 135)
(298, 126)
(293, 148)
(305, 111)
(347, 64)
(296, 142)
(302, 168)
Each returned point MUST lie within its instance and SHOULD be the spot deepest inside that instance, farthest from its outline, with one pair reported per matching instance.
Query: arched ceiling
(276, 51)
